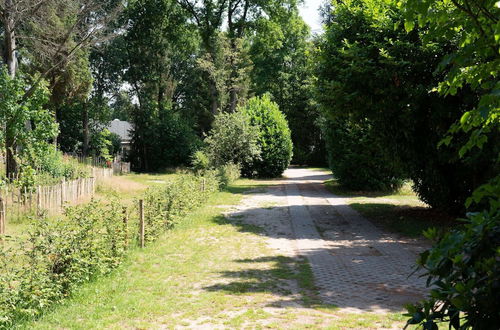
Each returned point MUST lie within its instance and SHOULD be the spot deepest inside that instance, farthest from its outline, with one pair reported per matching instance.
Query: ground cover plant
(61, 253)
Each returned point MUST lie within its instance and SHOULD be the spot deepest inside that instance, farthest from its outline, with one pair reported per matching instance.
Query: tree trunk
(85, 124)
(10, 58)
(10, 159)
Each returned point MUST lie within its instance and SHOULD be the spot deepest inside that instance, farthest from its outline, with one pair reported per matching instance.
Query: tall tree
(76, 24)
(281, 49)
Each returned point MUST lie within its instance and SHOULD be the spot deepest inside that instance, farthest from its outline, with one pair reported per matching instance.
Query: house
(123, 130)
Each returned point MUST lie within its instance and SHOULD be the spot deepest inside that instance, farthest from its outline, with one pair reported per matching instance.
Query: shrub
(232, 139)
(58, 255)
(228, 173)
(165, 205)
(357, 160)
(200, 162)
(274, 138)
(463, 270)
(90, 240)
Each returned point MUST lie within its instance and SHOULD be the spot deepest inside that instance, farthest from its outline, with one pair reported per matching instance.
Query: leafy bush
(58, 255)
(233, 139)
(89, 241)
(274, 138)
(200, 161)
(356, 158)
(463, 271)
(374, 74)
(228, 173)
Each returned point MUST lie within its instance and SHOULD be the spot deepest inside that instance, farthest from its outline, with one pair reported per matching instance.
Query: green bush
(376, 75)
(228, 173)
(356, 158)
(58, 255)
(233, 139)
(200, 162)
(274, 138)
(91, 240)
(160, 143)
(463, 270)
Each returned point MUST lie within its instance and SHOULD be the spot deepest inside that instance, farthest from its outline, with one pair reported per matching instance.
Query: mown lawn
(207, 272)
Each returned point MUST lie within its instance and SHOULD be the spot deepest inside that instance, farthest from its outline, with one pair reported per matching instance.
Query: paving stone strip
(359, 267)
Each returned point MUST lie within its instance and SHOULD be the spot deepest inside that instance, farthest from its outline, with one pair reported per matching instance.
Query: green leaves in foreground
(464, 276)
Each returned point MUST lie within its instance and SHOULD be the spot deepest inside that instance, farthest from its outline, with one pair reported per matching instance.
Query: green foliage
(373, 74)
(357, 159)
(233, 139)
(58, 255)
(200, 162)
(228, 173)
(165, 205)
(463, 273)
(16, 113)
(473, 64)
(281, 51)
(274, 138)
(102, 144)
(162, 142)
(89, 241)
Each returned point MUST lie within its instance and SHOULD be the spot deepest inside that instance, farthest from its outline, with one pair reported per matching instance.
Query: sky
(310, 14)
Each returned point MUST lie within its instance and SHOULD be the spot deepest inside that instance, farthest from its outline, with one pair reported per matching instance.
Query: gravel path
(356, 266)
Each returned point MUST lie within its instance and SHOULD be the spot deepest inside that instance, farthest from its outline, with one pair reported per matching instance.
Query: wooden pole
(62, 193)
(125, 226)
(141, 223)
(38, 200)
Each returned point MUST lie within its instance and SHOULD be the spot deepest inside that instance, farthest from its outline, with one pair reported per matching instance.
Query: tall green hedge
(274, 138)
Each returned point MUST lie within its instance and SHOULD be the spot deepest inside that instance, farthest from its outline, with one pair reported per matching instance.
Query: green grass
(398, 218)
(400, 211)
(208, 271)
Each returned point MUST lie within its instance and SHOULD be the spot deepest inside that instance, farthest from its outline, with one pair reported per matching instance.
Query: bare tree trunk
(10, 58)
(85, 124)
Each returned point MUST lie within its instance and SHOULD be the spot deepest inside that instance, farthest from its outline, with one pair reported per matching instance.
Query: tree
(463, 265)
(15, 114)
(281, 52)
(75, 25)
(379, 77)
(153, 57)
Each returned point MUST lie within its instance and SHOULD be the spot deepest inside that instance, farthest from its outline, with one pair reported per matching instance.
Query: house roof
(121, 128)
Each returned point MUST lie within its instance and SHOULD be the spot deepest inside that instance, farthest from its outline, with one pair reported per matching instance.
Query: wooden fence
(16, 202)
(121, 168)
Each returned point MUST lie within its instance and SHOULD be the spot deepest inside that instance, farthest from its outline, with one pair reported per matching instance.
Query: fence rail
(16, 202)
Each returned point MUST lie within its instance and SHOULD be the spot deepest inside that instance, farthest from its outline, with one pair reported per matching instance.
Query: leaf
(409, 25)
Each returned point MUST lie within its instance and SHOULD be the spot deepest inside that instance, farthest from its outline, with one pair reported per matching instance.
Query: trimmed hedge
(60, 254)
(274, 138)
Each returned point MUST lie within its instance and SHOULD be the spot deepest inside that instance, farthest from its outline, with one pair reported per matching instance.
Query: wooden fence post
(125, 226)
(39, 200)
(62, 193)
(141, 223)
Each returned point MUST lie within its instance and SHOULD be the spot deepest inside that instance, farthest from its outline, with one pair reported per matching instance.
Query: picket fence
(16, 202)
